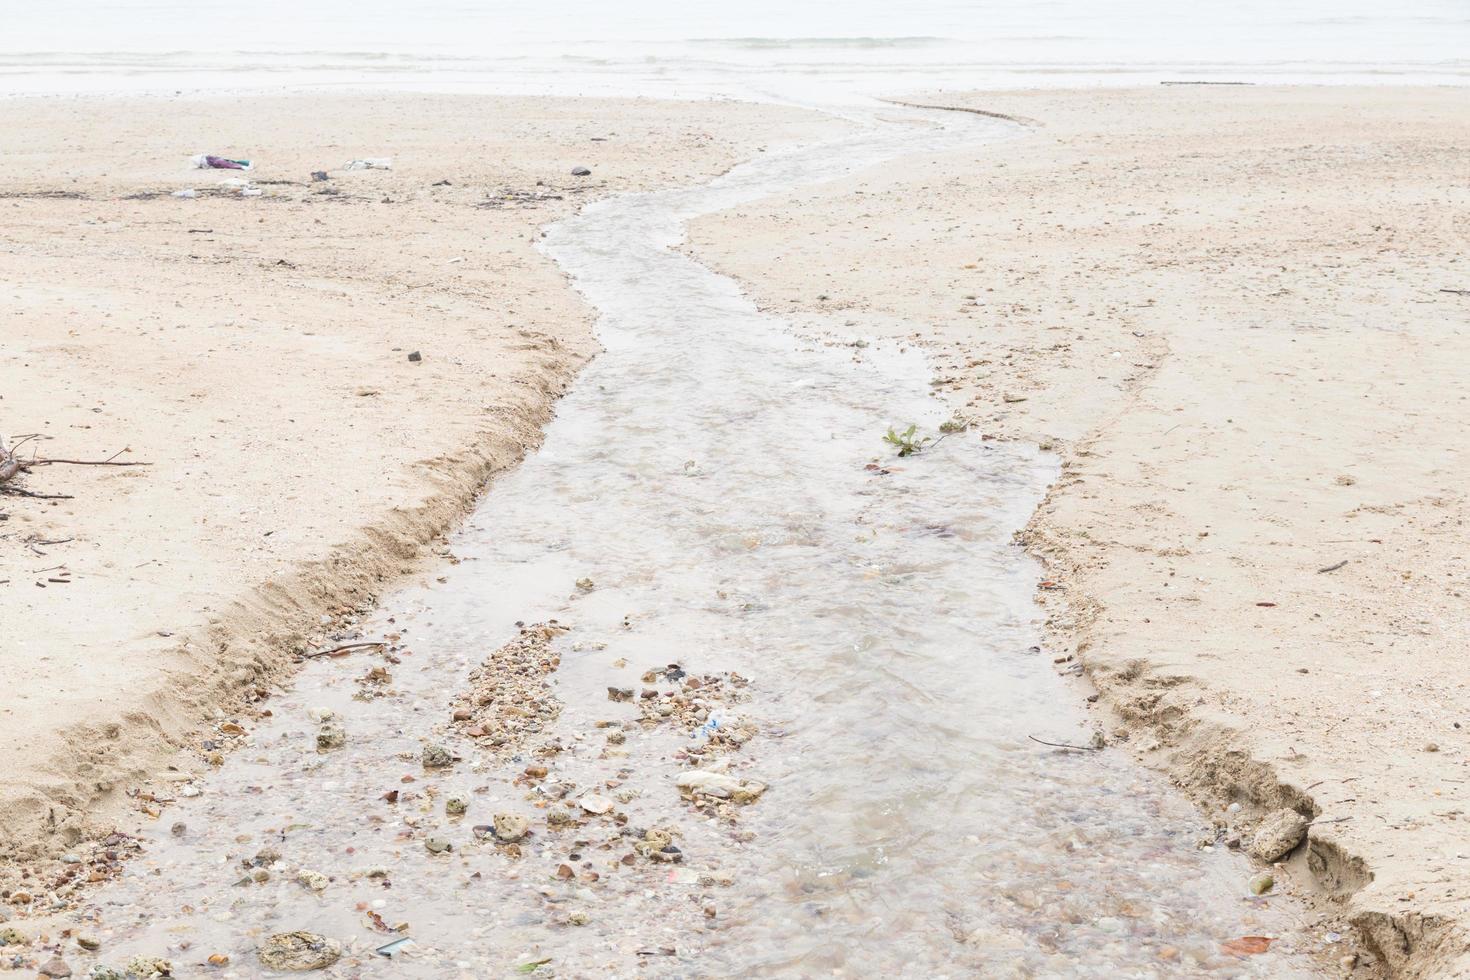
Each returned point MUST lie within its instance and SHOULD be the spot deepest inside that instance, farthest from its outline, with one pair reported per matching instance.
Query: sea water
(693, 48)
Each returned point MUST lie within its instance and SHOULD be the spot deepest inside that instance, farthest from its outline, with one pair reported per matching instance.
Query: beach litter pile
(208, 161)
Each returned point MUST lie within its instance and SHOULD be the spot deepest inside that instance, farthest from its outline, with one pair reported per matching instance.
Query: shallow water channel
(852, 631)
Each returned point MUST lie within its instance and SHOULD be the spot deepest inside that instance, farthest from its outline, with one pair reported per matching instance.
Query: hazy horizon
(658, 46)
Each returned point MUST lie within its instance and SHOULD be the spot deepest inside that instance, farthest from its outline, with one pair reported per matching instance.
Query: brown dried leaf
(1246, 945)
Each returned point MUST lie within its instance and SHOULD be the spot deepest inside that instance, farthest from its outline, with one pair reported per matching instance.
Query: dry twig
(12, 466)
(1064, 745)
(345, 649)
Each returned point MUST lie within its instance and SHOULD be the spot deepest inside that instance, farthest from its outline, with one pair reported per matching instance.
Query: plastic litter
(208, 161)
(370, 163)
(396, 946)
(703, 732)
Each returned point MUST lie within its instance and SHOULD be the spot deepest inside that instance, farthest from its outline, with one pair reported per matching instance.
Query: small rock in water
(455, 806)
(581, 172)
(596, 804)
(1261, 884)
(56, 967)
(655, 841)
(314, 880)
(1278, 834)
(620, 694)
(438, 845)
(511, 826)
(299, 951)
(437, 757)
(330, 736)
(720, 785)
(585, 585)
(145, 967)
(88, 942)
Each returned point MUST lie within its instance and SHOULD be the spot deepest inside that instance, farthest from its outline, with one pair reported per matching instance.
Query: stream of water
(743, 582)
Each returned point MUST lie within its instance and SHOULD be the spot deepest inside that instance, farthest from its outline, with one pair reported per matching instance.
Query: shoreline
(1071, 292)
(296, 289)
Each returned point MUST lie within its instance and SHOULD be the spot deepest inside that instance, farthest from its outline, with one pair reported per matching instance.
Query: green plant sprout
(905, 441)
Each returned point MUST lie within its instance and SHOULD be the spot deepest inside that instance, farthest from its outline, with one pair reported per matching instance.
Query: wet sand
(1232, 312)
(713, 684)
(256, 352)
(1224, 309)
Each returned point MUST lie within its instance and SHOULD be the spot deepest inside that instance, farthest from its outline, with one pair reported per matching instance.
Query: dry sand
(1226, 309)
(256, 351)
(1221, 306)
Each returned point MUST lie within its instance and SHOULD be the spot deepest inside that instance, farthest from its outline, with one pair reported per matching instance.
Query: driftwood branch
(12, 466)
(78, 462)
(9, 465)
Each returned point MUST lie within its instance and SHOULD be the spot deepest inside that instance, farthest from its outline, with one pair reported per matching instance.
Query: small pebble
(56, 968)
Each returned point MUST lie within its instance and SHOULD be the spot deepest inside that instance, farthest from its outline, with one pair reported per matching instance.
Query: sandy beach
(321, 379)
(1238, 315)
